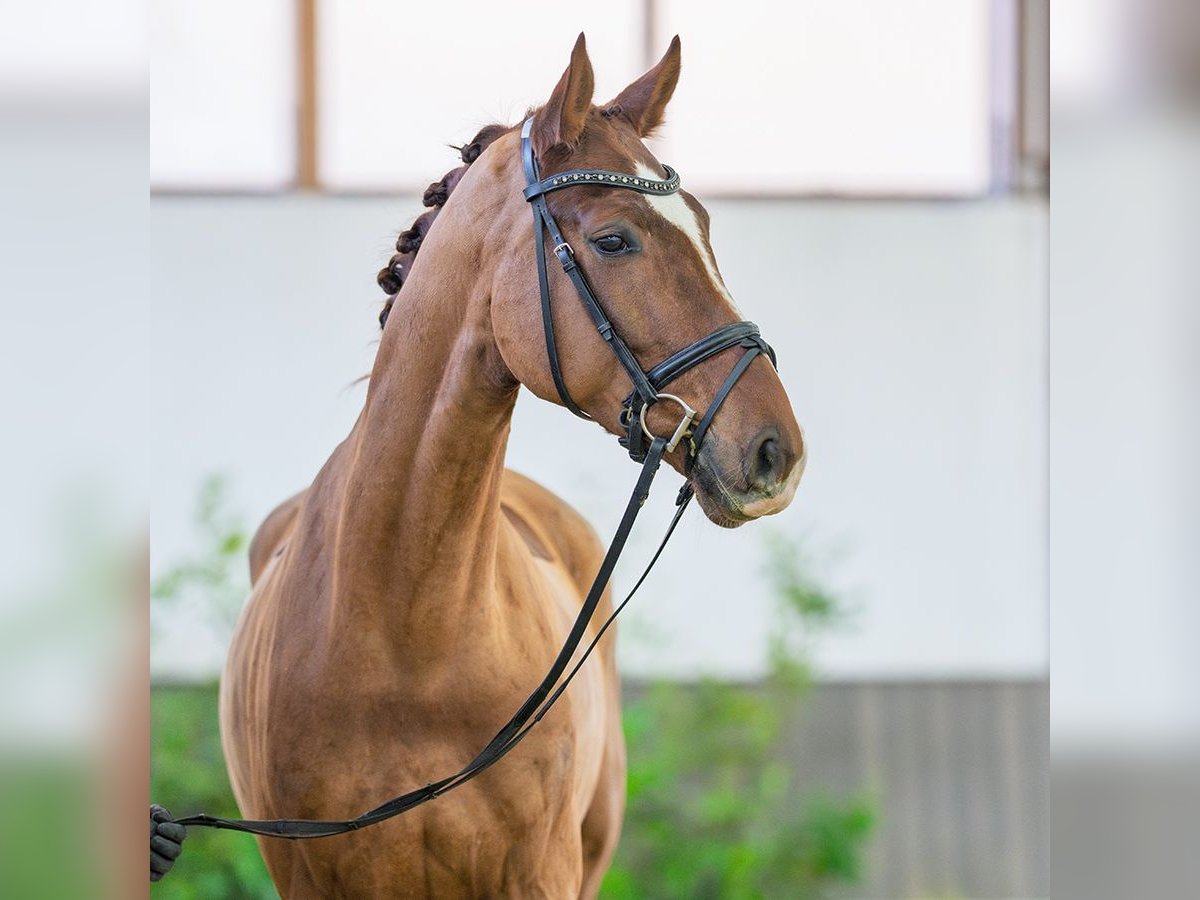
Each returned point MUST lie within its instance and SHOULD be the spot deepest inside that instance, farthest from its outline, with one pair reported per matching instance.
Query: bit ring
(685, 424)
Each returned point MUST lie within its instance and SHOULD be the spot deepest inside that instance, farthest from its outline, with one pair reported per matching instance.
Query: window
(223, 95)
(858, 97)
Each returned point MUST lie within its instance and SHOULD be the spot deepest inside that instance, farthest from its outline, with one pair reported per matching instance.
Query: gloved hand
(166, 841)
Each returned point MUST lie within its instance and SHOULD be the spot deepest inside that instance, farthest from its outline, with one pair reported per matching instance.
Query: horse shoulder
(270, 534)
(551, 527)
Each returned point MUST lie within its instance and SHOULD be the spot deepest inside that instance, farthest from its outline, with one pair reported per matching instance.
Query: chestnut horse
(405, 604)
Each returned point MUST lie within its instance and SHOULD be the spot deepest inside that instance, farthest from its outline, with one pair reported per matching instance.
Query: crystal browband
(669, 185)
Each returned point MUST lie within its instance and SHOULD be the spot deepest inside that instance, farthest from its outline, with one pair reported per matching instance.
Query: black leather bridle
(643, 446)
(647, 386)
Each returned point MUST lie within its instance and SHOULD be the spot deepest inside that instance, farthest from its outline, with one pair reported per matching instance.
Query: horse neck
(420, 507)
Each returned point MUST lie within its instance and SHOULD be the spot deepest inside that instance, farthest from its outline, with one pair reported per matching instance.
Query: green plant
(187, 764)
(210, 586)
(188, 775)
(713, 810)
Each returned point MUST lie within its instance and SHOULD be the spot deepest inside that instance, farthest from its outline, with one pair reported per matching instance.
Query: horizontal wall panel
(911, 341)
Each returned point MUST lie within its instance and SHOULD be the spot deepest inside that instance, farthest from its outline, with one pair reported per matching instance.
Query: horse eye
(611, 244)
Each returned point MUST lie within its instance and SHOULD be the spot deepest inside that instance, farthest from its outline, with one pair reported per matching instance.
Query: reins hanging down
(531, 711)
(643, 446)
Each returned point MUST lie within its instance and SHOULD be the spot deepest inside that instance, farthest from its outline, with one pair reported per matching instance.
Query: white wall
(1125, 513)
(911, 338)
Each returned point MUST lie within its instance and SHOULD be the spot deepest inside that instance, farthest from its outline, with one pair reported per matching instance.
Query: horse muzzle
(735, 486)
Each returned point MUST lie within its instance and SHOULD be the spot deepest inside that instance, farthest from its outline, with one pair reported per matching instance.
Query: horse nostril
(769, 463)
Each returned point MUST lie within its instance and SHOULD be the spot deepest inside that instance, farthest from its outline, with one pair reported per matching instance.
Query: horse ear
(644, 102)
(560, 122)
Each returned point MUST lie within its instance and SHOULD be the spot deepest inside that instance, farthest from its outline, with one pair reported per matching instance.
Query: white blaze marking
(675, 210)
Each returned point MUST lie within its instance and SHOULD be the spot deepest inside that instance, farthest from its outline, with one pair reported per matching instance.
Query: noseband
(643, 445)
(647, 386)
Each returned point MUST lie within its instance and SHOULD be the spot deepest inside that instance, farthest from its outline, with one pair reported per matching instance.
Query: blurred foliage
(209, 587)
(48, 849)
(713, 809)
(188, 776)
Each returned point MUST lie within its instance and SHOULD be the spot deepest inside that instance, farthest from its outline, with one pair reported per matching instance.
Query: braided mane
(392, 276)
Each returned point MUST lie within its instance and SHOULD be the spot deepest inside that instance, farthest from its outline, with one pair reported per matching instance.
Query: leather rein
(643, 446)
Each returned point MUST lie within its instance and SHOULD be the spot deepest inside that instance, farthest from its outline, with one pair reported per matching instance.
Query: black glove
(166, 841)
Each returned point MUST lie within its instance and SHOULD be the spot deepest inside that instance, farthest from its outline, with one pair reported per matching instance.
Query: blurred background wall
(894, 154)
